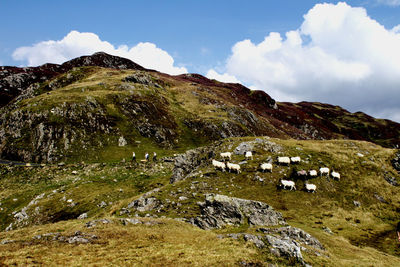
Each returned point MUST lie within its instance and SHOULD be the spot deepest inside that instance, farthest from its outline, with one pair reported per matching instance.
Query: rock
(396, 161)
(144, 204)
(91, 224)
(380, 198)
(127, 221)
(6, 241)
(219, 210)
(296, 234)
(391, 180)
(327, 230)
(102, 204)
(182, 198)
(285, 247)
(256, 240)
(360, 155)
(82, 216)
(122, 141)
(187, 163)
(243, 147)
(356, 203)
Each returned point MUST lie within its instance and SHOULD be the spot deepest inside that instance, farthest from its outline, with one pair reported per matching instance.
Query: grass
(168, 243)
(361, 235)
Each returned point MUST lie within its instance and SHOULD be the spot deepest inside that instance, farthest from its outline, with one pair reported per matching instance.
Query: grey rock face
(391, 180)
(95, 222)
(296, 234)
(243, 147)
(187, 163)
(285, 247)
(219, 210)
(396, 161)
(122, 141)
(82, 216)
(356, 203)
(144, 204)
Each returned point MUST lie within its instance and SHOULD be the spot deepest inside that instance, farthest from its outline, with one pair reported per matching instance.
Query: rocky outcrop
(146, 202)
(396, 161)
(219, 210)
(286, 242)
(187, 163)
(294, 233)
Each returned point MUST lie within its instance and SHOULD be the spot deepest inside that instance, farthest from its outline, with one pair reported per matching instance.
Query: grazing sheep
(311, 188)
(313, 173)
(233, 167)
(218, 165)
(226, 155)
(335, 175)
(248, 155)
(284, 160)
(266, 166)
(295, 159)
(324, 171)
(287, 183)
(301, 174)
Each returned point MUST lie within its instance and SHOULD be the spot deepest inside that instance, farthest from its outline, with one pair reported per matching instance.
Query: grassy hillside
(361, 235)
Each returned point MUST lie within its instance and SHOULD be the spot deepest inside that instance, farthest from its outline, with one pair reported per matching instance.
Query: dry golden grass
(169, 243)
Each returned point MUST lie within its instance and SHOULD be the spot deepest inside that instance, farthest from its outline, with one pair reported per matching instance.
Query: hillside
(102, 107)
(70, 194)
(353, 219)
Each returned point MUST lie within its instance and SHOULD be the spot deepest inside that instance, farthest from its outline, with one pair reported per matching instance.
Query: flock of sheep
(283, 183)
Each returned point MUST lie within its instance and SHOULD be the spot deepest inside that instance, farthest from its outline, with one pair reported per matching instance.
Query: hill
(130, 209)
(102, 107)
(72, 196)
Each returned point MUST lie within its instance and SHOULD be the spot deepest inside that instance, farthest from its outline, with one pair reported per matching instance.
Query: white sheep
(266, 167)
(233, 167)
(312, 173)
(288, 183)
(218, 165)
(284, 160)
(335, 175)
(311, 188)
(324, 171)
(248, 155)
(226, 155)
(295, 159)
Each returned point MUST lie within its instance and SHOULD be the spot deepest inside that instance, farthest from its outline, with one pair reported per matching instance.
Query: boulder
(396, 161)
(285, 247)
(188, 162)
(243, 147)
(219, 210)
(295, 234)
(144, 204)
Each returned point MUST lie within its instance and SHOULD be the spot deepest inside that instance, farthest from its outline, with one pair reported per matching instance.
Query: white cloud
(226, 78)
(338, 55)
(389, 2)
(76, 44)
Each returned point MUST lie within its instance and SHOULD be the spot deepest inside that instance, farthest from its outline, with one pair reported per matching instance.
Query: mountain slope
(129, 208)
(102, 107)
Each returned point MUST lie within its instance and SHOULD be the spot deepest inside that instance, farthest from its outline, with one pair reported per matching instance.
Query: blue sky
(198, 34)
(208, 37)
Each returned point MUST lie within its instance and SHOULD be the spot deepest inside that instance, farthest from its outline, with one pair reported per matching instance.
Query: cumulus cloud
(226, 78)
(76, 44)
(339, 55)
(389, 2)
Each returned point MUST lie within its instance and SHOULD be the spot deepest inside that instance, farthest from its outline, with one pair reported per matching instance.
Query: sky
(341, 53)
